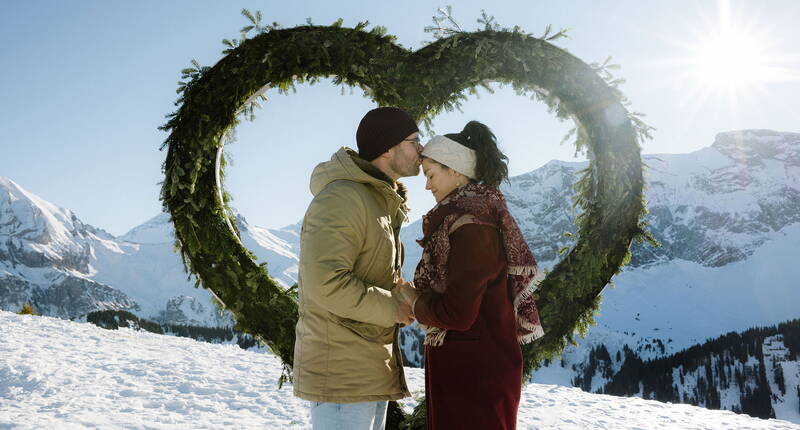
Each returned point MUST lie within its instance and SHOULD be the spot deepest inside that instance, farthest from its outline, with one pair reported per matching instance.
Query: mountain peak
(759, 144)
(40, 233)
(157, 229)
(7, 183)
(41, 219)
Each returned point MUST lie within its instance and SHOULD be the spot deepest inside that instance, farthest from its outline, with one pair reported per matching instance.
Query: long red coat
(474, 379)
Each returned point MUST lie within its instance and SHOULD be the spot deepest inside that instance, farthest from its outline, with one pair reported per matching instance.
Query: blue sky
(85, 84)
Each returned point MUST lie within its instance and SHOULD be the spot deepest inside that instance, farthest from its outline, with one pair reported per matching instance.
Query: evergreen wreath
(435, 78)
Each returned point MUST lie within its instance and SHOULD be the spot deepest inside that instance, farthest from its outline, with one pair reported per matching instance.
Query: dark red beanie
(381, 129)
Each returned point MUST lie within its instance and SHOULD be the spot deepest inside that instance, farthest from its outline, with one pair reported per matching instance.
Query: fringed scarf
(482, 204)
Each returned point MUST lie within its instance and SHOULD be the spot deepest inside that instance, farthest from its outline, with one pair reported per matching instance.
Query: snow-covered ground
(58, 374)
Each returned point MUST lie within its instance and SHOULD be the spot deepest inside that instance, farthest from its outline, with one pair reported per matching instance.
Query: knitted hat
(381, 129)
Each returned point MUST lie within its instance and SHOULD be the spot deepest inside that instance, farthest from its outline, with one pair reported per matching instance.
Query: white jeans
(348, 416)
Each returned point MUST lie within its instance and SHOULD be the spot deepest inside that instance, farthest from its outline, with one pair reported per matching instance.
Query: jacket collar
(346, 164)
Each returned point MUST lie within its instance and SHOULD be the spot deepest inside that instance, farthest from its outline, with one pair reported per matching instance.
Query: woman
(473, 286)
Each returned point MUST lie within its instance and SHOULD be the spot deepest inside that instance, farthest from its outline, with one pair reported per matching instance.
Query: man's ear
(388, 154)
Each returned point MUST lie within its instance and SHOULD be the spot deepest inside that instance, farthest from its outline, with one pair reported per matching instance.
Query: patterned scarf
(481, 204)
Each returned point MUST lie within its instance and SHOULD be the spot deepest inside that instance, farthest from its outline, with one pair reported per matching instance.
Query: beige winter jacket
(350, 256)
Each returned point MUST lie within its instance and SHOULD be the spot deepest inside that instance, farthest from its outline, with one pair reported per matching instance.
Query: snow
(281, 255)
(155, 230)
(555, 374)
(67, 375)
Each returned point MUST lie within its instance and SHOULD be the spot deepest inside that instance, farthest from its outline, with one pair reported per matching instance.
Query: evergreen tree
(778, 373)
(790, 331)
(27, 309)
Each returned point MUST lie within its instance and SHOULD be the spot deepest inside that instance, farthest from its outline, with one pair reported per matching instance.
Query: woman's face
(441, 180)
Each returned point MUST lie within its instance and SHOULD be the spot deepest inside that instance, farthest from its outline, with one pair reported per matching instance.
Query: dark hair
(492, 165)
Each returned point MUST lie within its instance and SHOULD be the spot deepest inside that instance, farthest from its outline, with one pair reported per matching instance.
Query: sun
(730, 58)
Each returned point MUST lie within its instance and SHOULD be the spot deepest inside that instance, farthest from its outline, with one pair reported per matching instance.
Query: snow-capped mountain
(46, 256)
(128, 379)
(66, 268)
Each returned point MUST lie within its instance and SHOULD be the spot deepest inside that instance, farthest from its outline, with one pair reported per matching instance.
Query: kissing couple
(471, 292)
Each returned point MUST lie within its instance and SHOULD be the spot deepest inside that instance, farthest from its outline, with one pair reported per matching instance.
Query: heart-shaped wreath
(424, 82)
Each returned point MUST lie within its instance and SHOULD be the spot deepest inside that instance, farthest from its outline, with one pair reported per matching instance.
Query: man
(347, 361)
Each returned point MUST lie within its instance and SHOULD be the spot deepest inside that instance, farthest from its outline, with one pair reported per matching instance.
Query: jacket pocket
(370, 332)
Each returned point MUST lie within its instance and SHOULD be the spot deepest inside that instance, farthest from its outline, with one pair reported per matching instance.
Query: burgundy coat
(474, 379)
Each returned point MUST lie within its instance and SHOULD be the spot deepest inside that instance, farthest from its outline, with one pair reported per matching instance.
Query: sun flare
(730, 59)
(735, 51)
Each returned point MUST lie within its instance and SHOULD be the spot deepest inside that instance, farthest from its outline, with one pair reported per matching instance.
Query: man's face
(405, 156)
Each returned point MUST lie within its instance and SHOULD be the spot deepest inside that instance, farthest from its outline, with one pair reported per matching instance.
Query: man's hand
(404, 315)
(406, 292)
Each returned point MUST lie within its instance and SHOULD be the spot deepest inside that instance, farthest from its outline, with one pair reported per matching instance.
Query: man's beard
(405, 170)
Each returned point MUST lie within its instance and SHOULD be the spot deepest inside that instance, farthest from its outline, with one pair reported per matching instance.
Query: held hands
(406, 295)
(406, 292)
(404, 315)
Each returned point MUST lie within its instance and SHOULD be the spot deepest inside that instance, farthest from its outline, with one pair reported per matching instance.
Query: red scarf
(480, 204)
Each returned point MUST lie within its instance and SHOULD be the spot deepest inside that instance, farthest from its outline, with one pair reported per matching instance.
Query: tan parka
(350, 257)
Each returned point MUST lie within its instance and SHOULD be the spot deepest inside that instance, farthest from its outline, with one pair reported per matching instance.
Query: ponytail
(492, 164)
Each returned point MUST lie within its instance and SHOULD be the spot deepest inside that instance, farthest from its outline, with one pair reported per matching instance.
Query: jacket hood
(346, 164)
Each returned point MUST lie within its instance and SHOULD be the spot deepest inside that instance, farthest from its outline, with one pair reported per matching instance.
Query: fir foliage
(26, 309)
(433, 79)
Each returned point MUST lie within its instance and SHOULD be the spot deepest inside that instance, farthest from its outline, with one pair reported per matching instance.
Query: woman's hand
(406, 292)
(404, 314)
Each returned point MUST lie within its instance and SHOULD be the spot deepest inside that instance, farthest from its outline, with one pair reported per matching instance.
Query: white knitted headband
(452, 154)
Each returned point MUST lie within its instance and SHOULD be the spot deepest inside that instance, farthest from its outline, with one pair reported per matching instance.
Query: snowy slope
(753, 372)
(778, 361)
(136, 380)
(280, 248)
